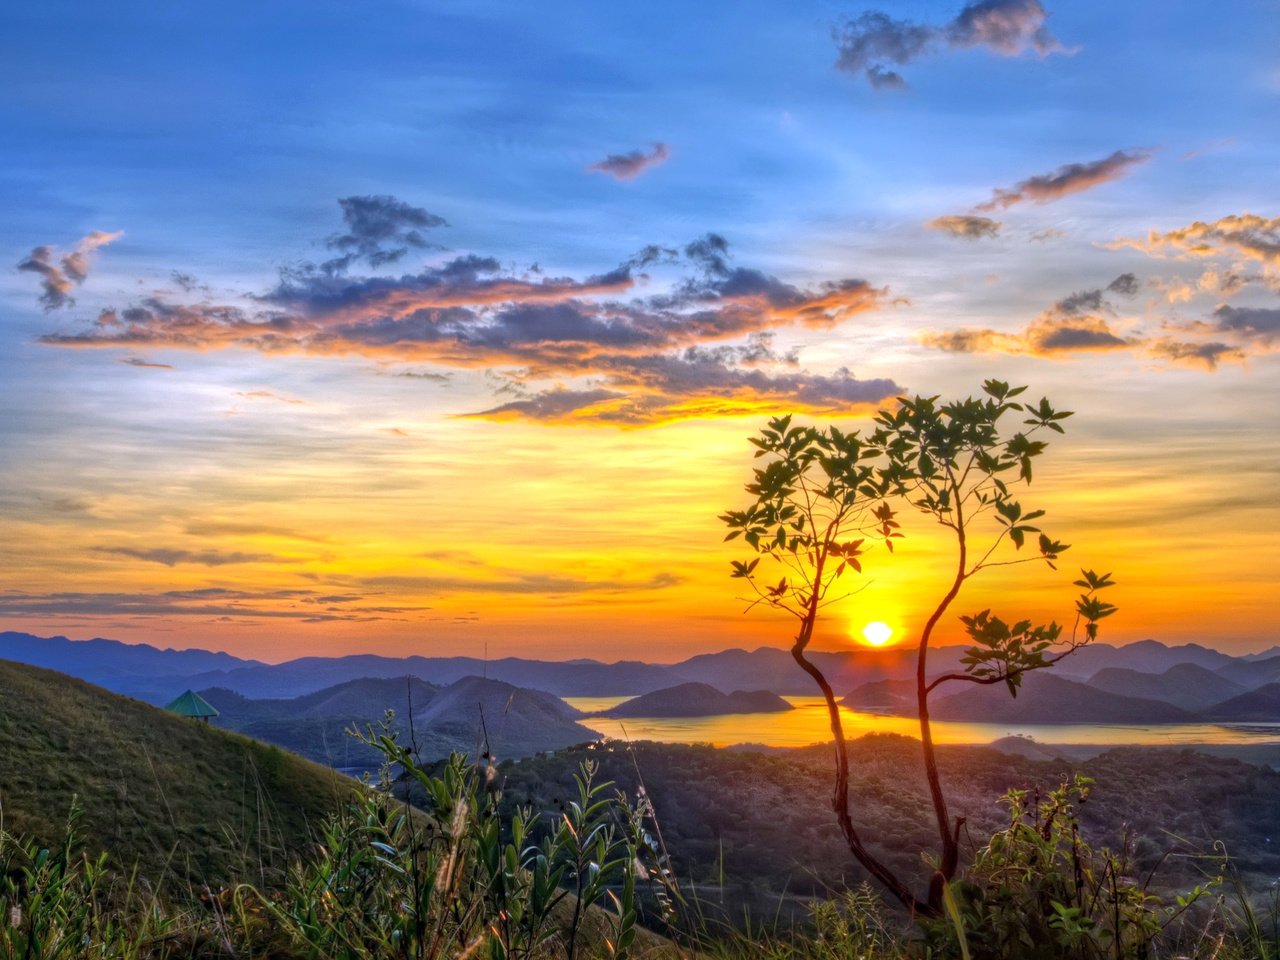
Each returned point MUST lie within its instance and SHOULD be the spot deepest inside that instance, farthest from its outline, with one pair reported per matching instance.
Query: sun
(877, 633)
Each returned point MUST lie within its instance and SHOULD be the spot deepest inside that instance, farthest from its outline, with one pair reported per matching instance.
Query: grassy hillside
(175, 796)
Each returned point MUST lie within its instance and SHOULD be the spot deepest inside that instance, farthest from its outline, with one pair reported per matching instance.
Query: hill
(894, 696)
(754, 827)
(1186, 685)
(512, 721)
(698, 700)
(173, 795)
(1045, 698)
(1252, 674)
(1256, 706)
(519, 722)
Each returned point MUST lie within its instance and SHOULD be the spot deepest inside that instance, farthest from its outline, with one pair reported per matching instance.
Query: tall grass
(452, 877)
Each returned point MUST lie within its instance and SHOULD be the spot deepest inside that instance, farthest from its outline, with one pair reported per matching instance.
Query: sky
(440, 328)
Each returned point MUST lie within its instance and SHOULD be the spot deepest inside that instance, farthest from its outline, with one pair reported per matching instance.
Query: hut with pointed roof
(192, 705)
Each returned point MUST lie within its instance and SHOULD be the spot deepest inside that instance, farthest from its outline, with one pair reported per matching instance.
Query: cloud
(1082, 322)
(521, 583)
(59, 275)
(171, 557)
(380, 230)
(1207, 354)
(1242, 235)
(628, 166)
(268, 395)
(1262, 323)
(873, 42)
(966, 227)
(1067, 179)
(1126, 285)
(642, 391)
(1048, 233)
(553, 334)
(1078, 322)
(207, 602)
(139, 362)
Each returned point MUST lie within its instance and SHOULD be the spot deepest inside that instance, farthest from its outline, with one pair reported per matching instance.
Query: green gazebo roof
(191, 704)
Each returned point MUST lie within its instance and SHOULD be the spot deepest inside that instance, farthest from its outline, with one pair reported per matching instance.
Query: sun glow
(877, 633)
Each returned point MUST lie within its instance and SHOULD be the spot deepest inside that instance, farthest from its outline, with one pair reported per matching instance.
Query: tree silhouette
(823, 496)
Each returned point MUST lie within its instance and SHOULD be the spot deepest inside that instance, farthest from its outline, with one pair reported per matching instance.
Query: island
(697, 700)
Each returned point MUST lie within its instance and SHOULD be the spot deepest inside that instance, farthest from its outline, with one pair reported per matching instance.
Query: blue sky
(219, 139)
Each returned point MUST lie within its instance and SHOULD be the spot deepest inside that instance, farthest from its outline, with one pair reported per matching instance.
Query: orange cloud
(1246, 234)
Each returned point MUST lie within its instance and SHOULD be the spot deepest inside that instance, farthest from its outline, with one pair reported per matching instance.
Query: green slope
(181, 799)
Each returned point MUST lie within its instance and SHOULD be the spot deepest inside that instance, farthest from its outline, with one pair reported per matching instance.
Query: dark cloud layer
(702, 345)
(628, 166)
(873, 43)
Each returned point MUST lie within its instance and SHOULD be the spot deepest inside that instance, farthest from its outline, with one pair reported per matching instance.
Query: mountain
(444, 720)
(112, 664)
(1257, 706)
(1253, 674)
(308, 674)
(1147, 656)
(698, 700)
(1045, 698)
(768, 668)
(315, 726)
(1186, 685)
(890, 695)
(175, 796)
(475, 713)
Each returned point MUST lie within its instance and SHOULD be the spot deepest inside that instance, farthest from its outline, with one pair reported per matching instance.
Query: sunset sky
(439, 327)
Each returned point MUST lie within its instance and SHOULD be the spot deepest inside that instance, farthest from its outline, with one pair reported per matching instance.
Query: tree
(824, 497)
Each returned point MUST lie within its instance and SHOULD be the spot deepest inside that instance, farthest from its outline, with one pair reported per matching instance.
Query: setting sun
(877, 633)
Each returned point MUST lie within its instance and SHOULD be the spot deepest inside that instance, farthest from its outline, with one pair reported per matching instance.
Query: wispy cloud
(1066, 180)
(210, 602)
(872, 43)
(170, 556)
(146, 364)
(628, 166)
(522, 583)
(966, 227)
(60, 273)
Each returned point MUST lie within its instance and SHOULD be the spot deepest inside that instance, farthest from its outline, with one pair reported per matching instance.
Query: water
(808, 724)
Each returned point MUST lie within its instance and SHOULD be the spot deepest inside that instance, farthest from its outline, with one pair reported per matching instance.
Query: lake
(808, 724)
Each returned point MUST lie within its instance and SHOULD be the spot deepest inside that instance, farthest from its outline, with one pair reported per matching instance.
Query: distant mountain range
(1146, 681)
(1185, 693)
(157, 675)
